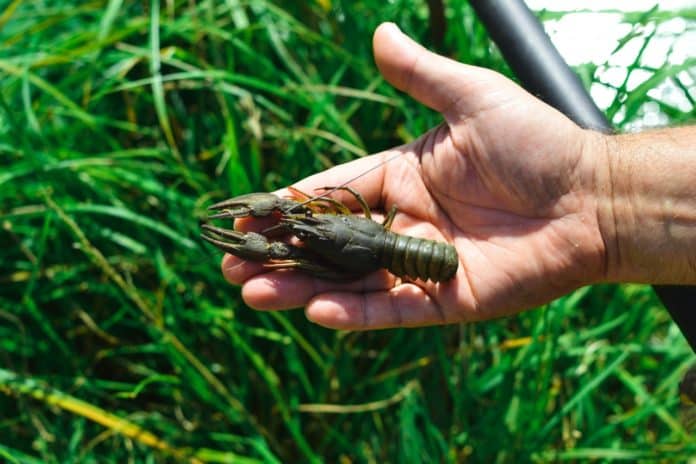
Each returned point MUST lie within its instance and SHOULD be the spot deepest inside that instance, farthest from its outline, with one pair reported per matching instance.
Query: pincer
(249, 245)
(255, 205)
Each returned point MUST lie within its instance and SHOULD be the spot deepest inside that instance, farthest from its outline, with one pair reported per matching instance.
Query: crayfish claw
(274, 254)
(221, 245)
(226, 233)
(254, 204)
(250, 245)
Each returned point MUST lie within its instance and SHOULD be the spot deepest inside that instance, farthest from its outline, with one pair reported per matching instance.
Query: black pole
(536, 62)
(543, 72)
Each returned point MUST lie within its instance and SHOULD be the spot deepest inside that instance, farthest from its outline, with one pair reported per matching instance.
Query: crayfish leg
(313, 269)
(299, 194)
(389, 220)
(358, 197)
(320, 204)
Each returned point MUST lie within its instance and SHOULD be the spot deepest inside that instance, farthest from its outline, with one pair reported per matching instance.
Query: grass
(119, 340)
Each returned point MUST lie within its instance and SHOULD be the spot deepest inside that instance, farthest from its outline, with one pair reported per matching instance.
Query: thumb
(454, 89)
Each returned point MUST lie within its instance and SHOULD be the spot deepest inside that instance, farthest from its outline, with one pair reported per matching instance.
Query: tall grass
(119, 340)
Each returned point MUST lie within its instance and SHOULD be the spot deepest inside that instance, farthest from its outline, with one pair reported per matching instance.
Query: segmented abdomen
(420, 258)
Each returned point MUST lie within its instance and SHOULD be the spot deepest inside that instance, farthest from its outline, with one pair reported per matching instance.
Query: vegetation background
(121, 120)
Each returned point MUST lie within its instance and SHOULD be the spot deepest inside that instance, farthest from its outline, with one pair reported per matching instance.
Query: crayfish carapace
(335, 244)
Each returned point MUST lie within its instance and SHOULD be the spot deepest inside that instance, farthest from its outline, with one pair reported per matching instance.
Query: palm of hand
(515, 206)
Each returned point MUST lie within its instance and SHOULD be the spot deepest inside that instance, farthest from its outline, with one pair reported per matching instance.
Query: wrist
(646, 206)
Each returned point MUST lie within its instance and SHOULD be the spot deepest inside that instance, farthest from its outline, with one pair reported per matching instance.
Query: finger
(449, 87)
(237, 270)
(252, 224)
(406, 305)
(285, 289)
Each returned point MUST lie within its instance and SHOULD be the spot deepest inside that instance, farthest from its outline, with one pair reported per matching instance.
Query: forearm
(647, 206)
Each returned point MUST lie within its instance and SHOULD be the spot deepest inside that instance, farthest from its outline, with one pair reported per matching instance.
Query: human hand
(506, 178)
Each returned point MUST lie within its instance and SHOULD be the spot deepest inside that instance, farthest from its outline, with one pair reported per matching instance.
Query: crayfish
(334, 243)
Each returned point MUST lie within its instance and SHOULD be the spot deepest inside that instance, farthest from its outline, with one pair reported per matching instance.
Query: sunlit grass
(120, 121)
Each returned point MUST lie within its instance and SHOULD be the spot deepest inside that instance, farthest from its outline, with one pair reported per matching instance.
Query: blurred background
(120, 121)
